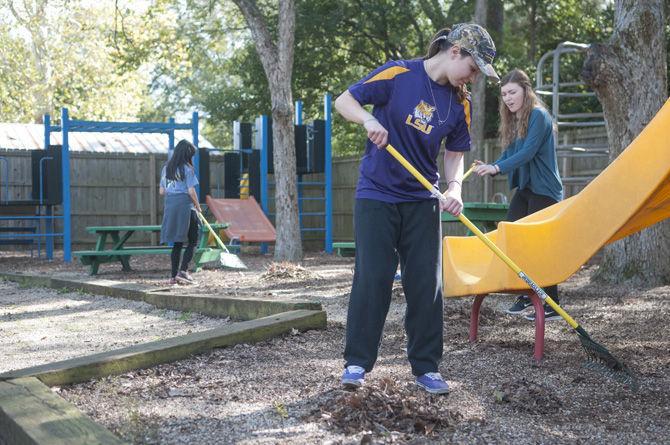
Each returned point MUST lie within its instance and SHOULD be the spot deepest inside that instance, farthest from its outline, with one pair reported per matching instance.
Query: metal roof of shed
(31, 136)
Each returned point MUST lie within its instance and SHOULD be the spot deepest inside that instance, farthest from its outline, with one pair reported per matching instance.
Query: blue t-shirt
(182, 185)
(419, 114)
(530, 162)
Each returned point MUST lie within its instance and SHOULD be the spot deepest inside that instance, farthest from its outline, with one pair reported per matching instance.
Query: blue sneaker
(353, 377)
(433, 383)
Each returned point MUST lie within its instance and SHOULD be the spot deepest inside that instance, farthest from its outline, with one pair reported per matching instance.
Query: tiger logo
(424, 112)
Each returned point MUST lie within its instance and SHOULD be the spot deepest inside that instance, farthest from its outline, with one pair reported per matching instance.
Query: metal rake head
(601, 360)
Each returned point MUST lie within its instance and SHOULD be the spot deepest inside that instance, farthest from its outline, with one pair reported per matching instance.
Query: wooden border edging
(240, 308)
(81, 369)
(31, 414)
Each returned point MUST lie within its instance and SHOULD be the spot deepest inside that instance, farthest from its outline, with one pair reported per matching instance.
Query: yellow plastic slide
(632, 193)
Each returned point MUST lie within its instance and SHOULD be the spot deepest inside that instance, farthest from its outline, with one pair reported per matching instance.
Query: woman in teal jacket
(529, 161)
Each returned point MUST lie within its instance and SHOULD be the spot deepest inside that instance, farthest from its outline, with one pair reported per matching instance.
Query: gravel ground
(326, 280)
(286, 390)
(39, 326)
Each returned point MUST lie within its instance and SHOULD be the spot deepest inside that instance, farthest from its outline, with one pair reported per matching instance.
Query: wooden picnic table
(484, 215)
(117, 236)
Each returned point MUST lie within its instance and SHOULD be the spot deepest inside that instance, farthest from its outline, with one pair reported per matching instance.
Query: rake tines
(601, 360)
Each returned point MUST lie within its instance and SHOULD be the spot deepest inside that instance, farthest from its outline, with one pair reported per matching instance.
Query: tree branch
(433, 10)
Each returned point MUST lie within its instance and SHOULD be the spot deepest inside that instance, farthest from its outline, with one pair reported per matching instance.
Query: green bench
(118, 251)
(484, 215)
(346, 248)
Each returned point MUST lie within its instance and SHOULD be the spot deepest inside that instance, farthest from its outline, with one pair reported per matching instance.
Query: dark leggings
(190, 248)
(523, 204)
(384, 233)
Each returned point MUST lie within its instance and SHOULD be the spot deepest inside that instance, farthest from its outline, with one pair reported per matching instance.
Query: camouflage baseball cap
(477, 41)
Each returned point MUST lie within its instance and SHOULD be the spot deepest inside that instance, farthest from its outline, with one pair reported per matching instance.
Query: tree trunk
(478, 99)
(277, 60)
(629, 76)
(495, 15)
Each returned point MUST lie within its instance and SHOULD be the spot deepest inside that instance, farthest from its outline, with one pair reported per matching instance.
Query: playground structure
(51, 176)
(249, 172)
(48, 215)
(33, 219)
(556, 90)
(247, 220)
(552, 244)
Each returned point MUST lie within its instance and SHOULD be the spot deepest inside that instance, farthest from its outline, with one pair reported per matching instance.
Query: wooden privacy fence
(122, 189)
(487, 189)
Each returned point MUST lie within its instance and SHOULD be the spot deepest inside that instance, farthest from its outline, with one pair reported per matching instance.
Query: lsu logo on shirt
(423, 114)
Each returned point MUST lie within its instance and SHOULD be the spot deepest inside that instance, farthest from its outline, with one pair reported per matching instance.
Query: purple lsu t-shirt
(418, 114)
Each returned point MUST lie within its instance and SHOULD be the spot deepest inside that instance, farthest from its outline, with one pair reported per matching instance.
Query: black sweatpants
(175, 255)
(384, 233)
(524, 202)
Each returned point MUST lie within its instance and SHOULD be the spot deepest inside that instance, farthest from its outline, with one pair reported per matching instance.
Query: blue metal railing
(267, 197)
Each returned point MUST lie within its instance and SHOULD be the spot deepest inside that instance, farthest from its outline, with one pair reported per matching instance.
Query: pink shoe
(183, 277)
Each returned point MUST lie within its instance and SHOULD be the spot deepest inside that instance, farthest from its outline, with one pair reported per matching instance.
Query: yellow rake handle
(467, 173)
(434, 190)
(212, 231)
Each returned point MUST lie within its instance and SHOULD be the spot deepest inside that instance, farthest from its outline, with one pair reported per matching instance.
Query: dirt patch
(284, 270)
(526, 396)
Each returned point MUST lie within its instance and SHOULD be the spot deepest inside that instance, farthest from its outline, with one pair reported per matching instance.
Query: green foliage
(555, 22)
(336, 43)
(115, 60)
(16, 78)
(217, 70)
(63, 58)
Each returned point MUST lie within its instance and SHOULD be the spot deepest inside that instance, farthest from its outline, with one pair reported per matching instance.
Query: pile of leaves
(387, 407)
(286, 270)
(526, 396)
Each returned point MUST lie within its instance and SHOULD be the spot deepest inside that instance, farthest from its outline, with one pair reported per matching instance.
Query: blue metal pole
(171, 124)
(49, 223)
(264, 172)
(171, 138)
(327, 111)
(196, 159)
(298, 121)
(298, 112)
(47, 131)
(67, 210)
(49, 227)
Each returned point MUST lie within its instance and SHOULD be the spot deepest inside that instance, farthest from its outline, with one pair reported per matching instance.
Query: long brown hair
(182, 156)
(515, 125)
(440, 43)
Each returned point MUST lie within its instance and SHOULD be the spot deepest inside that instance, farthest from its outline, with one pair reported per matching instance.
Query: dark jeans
(193, 229)
(385, 233)
(524, 202)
